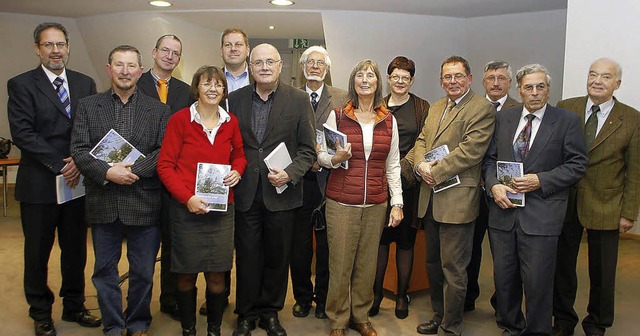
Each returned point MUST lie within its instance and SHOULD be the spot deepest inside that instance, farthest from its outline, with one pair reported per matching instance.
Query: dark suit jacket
(558, 156)
(510, 103)
(136, 204)
(291, 122)
(41, 129)
(178, 97)
(611, 187)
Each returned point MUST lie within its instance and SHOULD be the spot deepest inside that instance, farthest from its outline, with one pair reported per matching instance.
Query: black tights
(215, 282)
(404, 264)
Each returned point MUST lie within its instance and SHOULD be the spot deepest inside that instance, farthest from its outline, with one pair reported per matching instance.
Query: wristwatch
(398, 206)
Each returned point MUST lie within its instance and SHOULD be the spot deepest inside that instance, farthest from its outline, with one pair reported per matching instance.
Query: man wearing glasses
(464, 122)
(41, 107)
(159, 83)
(269, 112)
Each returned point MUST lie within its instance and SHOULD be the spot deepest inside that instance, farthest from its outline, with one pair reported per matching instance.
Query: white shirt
(53, 77)
(393, 159)
(319, 92)
(501, 101)
(535, 123)
(605, 109)
(223, 117)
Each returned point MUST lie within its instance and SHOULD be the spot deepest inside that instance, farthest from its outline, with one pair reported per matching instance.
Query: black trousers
(263, 245)
(39, 225)
(302, 249)
(603, 260)
(168, 280)
(473, 270)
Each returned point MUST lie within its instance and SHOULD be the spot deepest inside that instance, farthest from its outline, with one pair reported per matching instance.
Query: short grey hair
(322, 50)
(616, 64)
(495, 65)
(529, 69)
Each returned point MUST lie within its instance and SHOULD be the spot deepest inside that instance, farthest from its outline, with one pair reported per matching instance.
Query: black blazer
(41, 129)
(136, 204)
(291, 121)
(178, 97)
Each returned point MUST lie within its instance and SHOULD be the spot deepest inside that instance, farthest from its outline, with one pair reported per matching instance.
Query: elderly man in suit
(41, 107)
(269, 112)
(315, 63)
(122, 198)
(464, 122)
(548, 142)
(605, 202)
(159, 83)
(496, 82)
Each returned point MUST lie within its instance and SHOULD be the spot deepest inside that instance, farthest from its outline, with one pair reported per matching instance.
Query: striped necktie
(63, 95)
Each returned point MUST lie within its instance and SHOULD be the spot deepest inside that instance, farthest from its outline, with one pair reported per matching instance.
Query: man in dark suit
(549, 143)
(269, 112)
(496, 82)
(605, 202)
(315, 64)
(42, 104)
(159, 84)
(123, 197)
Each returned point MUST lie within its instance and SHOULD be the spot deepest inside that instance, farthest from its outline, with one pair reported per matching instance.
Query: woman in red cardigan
(202, 239)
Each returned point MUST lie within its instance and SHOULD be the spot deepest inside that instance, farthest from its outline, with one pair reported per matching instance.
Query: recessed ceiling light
(272, 27)
(282, 2)
(160, 3)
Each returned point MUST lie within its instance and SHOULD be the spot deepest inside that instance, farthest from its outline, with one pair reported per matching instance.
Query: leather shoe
(337, 332)
(272, 326)
(244, 328)
(559, 331)
(45, 328)
(428, 328)
(365, 329)
(172, 311)
(83, 318)
(320, 312)
(301, 309)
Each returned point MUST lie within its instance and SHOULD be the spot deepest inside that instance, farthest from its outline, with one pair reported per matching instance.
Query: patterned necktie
(63, 95)
(591, 127)
(496, 104)
(521, 145)
(314, 101)
(163, 91)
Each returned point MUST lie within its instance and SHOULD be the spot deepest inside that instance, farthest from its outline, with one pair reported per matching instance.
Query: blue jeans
(142, 248)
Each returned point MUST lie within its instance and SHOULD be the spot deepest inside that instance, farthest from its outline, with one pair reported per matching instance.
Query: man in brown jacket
(605, 201)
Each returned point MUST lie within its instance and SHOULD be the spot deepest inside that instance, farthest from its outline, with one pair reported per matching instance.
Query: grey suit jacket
(558, 156)
(136, 204)
(41, 129)
(178, 96)
(291, 122)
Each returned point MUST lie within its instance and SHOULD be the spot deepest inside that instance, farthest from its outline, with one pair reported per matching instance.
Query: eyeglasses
(209, 85)
(397, 78)
(458, 77)
(167, 51)
(50, 45)
(260, 63)
(237, 45)
(318, 63)
(539, 87)
(500, 79)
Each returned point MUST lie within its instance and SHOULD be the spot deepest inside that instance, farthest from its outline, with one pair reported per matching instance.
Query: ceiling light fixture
(160, 3)
(281, 2)
(272, 27)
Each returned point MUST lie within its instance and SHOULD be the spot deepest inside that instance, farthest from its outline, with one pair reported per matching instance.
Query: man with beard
(159, 84)
(122, 198)
(269, 112)
(42, 104)
(315, 63)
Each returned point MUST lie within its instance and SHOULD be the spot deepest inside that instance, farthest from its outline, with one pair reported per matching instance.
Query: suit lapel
(322, 112)
(453, 113)
(107, 115)
(613, 122)
(547, 126)
(280, 96)
(139, 118)
(512, 121)
(44, 85)
(73, 88)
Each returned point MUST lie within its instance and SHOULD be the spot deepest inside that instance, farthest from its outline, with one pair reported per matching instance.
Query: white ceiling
(254, 16)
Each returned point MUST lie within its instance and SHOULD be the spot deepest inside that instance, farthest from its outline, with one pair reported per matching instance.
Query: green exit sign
(300, 43)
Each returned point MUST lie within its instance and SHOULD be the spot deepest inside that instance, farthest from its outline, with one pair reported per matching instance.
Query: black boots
(187, 306)
(216, 302)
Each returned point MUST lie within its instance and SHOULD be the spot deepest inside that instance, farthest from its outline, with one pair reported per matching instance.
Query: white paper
(279, 158)
(64, 193)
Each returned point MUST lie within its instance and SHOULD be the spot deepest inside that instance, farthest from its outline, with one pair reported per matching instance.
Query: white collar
(195, 116)
(53, 76)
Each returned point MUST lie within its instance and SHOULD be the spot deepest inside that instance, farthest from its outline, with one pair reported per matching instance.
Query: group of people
(575, 156)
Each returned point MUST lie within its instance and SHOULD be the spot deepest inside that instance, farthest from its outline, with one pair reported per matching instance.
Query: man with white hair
(315, 63)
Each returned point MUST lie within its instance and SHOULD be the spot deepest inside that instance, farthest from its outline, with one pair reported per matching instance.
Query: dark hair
(402, 63)
(231, 31)
(125, 48)
(210, 72)
(46, 25)
(457, 59)
(363, 65)
(168, 36)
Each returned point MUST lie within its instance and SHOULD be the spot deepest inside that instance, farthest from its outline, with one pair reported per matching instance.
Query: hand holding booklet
(439, 153)
(333, 137)
(210, 186)
(64, 193)
(279, 158)
(506, 171)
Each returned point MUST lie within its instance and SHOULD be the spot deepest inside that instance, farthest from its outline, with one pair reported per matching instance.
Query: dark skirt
(201, 243)
(404, 235)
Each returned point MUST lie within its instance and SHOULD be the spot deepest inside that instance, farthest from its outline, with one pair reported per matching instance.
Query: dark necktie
(314, 101)
(591, 127)
(496, 104)
(521, 145)
(63, 95)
